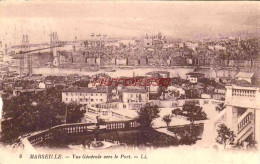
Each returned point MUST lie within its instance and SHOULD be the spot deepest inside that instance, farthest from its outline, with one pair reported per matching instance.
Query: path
(209, 133)
(165, 131)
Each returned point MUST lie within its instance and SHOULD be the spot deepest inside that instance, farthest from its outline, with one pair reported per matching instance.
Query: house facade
(134, 95)
(84, 96)
(242, 112)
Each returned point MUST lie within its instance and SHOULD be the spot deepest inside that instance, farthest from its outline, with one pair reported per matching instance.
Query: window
(101, 100)
(80, 99)
(67, 93)
(66, 99)
(100, 94)
(91, 100)
(86, 99)
(80, 94)
(96, 94)
(91, 94)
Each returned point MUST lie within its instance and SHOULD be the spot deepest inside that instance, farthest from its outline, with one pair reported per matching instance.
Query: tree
(27, 113)
(167, 119)
(194, 112)
(225, 135)
(74, 113)
(220, 107)
(146, 115)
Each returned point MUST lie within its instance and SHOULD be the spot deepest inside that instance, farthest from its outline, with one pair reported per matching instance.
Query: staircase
(244, 126)
(91, 116)
(221, 118)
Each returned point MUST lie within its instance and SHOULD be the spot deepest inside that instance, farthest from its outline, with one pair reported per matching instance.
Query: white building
(84, 96)
(108, 112)
(242, 113)
(134, 95)
(249, 77)
(127, 42)
(191, 45)
(219, 47)
(193, 77)
(122, 61)
(175, 88)
(42, 85)
(59, 59)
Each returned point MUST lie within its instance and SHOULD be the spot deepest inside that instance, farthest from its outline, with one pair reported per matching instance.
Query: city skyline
(87, 80)
(176, 20)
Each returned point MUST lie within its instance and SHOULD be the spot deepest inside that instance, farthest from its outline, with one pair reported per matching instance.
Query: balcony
(244, 93)
(246, 97)
(244, 126)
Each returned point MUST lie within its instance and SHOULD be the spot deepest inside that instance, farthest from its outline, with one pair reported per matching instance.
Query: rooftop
(245, 75)
(192, 87)
(134, 90)
(243, 83)
(84, 90)
(195, 74)
(218, 86)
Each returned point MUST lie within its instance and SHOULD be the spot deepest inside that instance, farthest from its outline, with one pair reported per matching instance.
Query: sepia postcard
(130, 82)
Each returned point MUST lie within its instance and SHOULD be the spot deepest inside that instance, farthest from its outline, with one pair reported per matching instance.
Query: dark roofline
(84, 90)
(134, 90)
(195, 74)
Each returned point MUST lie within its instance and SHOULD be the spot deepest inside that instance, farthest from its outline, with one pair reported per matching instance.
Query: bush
(177, 111)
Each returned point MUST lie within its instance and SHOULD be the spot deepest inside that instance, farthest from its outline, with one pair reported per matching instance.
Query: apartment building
(85, 96)
(134, 95)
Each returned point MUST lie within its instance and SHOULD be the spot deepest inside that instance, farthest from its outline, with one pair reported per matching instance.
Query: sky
(187, 20)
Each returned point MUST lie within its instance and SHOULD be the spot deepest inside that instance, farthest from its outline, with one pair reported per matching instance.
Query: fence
(79, 128)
